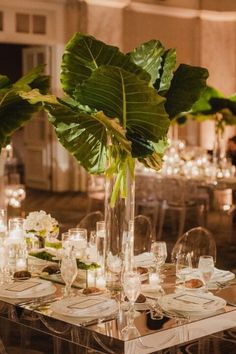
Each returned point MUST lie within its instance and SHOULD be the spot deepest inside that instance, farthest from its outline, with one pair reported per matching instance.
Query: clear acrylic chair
(90, 220)
(179, 197)
(195, 242)
(142, 234)
(95, 190)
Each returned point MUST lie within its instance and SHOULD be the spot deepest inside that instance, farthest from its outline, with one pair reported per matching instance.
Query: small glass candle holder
(3, 223)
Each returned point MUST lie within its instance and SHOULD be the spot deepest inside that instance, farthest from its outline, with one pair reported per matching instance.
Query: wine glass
(68, 269)
(131, 288)
(183, 266)
(159, 250)
(206, 268)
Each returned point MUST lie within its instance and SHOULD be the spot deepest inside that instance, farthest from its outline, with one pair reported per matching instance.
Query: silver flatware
(98, 320)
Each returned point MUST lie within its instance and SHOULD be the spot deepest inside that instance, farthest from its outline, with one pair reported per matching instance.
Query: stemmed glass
(206, 268)
(68, 269)
(183, 266)
(131, 288)
(159, 250)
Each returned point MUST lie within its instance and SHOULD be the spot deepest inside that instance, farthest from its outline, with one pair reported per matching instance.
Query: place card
(85, 303)
(22, 286)
(191, 299)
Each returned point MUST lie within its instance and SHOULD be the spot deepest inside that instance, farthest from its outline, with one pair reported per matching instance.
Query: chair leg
(182, 221)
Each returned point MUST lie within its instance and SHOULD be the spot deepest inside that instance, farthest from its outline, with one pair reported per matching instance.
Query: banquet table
(37, 329)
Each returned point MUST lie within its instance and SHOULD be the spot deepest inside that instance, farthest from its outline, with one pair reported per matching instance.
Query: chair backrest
(96, 187)
(90, 220)
(142, 234)
(195, 242)
(145, 187)
(178, 191)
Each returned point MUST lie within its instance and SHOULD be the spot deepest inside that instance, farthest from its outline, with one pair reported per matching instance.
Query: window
(22, 23)
(27, 23)
(39, 24)
(1, 21)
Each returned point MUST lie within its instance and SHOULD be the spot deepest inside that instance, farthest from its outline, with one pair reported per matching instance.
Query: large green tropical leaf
(84, 54)
(149, 57)
(163, 82)
(15, 111)
(85, 136)
(30, 80)
(186, 86)
(4, 81)
(121, 94)
(203, 105)
(154, 160)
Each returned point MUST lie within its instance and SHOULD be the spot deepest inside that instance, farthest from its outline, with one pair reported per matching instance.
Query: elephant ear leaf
(14, 110)
(163, 83)
(186, 86)
(123, 95)
(84, 135)
(84, 54)
(4, 81)
(149, 57)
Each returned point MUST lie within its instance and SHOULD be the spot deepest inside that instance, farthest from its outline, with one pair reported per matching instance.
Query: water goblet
(68, 269)
(183, 267)
(159, 250)
(131, 288)
(206, 268)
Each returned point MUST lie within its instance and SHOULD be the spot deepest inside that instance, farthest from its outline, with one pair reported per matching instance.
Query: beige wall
(143, 23)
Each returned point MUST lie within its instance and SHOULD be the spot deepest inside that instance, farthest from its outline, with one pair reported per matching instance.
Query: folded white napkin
(145, 259)
(219, 275)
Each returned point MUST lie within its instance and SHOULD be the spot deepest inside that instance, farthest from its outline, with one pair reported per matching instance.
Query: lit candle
(91, 278)
(16, 234)
(21, 264)
(154, 279)
(101, 282)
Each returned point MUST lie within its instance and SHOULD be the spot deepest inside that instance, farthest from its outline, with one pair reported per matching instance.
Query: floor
(70, 207)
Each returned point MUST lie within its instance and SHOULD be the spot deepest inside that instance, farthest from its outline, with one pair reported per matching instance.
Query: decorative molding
(171, 11)
(221, 16)
(109, 3)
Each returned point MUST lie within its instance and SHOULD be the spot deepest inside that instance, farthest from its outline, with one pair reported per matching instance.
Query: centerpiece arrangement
(213, 105)
(41, 225)
(118, 109)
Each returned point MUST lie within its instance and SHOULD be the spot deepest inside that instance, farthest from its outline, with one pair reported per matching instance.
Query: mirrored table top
(151, 333)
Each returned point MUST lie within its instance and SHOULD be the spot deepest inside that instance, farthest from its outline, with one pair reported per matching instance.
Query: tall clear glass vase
(119, 219)
(219, 156)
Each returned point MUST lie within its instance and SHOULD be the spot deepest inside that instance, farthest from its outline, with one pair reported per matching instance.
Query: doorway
(32, 143)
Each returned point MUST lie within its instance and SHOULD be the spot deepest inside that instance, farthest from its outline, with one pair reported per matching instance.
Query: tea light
(16, 234)
(154, 279)
(21, 264)
(91, 278)
(101, 282)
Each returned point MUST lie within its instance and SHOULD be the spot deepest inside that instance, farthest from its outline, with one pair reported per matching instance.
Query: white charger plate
(193, 303)
(85, 307)
(34, 288)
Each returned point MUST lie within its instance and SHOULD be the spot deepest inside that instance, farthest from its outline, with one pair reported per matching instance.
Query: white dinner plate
(31, 288)
(193, 303)
(85, 306)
